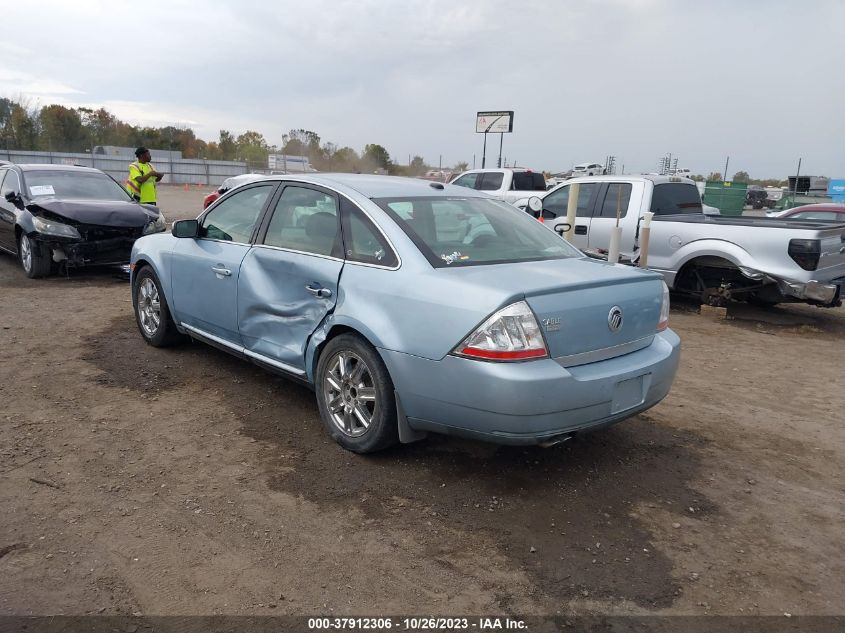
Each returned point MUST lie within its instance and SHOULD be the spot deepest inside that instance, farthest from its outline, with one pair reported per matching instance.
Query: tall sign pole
(501, 136)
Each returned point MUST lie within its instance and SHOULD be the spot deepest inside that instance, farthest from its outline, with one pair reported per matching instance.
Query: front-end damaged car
(60, 216)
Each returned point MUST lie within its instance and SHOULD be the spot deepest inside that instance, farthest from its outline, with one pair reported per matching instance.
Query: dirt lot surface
(185, 481)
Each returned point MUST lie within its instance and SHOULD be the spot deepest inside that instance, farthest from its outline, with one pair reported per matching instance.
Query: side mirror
(535, 205)
(186, 228)
(12, 196)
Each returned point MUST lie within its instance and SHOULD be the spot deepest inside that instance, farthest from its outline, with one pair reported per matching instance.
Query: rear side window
(675, 199)
(528, 181)
(491, 181)
(305, 220)
(617, 197)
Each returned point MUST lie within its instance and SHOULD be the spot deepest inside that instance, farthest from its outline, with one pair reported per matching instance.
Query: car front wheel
(152, 313)
(33, 260)
(355, 395)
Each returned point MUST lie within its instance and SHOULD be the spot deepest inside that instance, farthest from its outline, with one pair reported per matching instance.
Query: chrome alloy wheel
(149, 307)
(350, 393)
(26, 253)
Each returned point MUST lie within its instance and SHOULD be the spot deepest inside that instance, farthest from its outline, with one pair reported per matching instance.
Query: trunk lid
(572, 299)
(600, 315)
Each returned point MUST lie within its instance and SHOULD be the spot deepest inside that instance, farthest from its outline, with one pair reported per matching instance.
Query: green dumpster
(725, 195)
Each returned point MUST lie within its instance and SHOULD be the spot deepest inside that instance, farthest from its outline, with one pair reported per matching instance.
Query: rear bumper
(531, 402)
(828, 294)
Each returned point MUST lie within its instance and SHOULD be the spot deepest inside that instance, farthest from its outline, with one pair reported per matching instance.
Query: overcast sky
(758, 80)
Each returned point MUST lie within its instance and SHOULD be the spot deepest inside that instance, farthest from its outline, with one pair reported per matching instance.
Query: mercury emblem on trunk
(614, 319)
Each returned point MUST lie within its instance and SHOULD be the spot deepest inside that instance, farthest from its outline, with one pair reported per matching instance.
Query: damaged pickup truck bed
(54, 216)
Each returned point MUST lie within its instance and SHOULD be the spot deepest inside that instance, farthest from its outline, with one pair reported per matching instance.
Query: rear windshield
(73, 185)
(675, 199)
(453, 232)
(528, 181)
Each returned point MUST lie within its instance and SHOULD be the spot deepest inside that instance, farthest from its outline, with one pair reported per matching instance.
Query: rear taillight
(510, 334)
(663, 321)
(805, 253)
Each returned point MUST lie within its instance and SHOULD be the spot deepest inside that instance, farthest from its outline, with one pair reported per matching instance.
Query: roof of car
(821, 206)
(50, 167)
(374, 186)
(809, 208)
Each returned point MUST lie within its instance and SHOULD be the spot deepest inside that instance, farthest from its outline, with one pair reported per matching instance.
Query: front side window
(675, 199)
(467, 180)
(456, 232)
(10, 183)
(234, 218)
(73, 185)
(557, 202)
(616, 199)
(305, 220)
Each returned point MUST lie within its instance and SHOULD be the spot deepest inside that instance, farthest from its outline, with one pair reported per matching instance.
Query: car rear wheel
(152, 313)
(355, 395)
(33, 260)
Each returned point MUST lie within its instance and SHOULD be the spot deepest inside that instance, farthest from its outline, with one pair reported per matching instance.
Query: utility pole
(725, 175)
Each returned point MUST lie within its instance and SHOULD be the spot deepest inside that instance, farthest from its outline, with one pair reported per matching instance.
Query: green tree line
(56, 128)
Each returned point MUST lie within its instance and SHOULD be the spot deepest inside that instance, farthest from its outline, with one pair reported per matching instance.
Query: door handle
(319, 292)
(222, 271)
(580, 229)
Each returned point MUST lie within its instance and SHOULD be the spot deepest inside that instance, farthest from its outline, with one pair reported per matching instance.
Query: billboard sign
(494, 122)
(836, 190)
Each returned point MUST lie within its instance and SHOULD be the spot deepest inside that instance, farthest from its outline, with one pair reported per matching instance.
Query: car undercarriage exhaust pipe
(556, 439)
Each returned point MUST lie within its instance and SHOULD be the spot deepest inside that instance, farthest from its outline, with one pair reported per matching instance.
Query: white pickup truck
(716, 258)
(508, 185)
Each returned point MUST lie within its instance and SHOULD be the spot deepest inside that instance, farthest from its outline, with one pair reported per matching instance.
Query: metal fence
(194, 171)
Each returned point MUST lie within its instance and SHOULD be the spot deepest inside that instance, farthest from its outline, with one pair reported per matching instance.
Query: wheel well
(334, 332)
(709, 261)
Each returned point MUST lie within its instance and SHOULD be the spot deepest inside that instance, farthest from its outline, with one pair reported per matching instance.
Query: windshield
(675, 199)
(73, 185)
(454, 232)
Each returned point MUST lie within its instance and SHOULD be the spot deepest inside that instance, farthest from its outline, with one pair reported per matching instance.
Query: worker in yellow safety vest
(142, 180)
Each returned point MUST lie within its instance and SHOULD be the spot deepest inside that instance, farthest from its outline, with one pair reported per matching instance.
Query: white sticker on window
(42, 190)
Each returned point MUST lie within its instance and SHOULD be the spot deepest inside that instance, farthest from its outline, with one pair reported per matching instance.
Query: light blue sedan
(411, 307)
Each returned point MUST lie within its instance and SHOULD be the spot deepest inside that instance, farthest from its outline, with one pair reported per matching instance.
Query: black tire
(344, 406)
(33, 258)
(149, 302)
